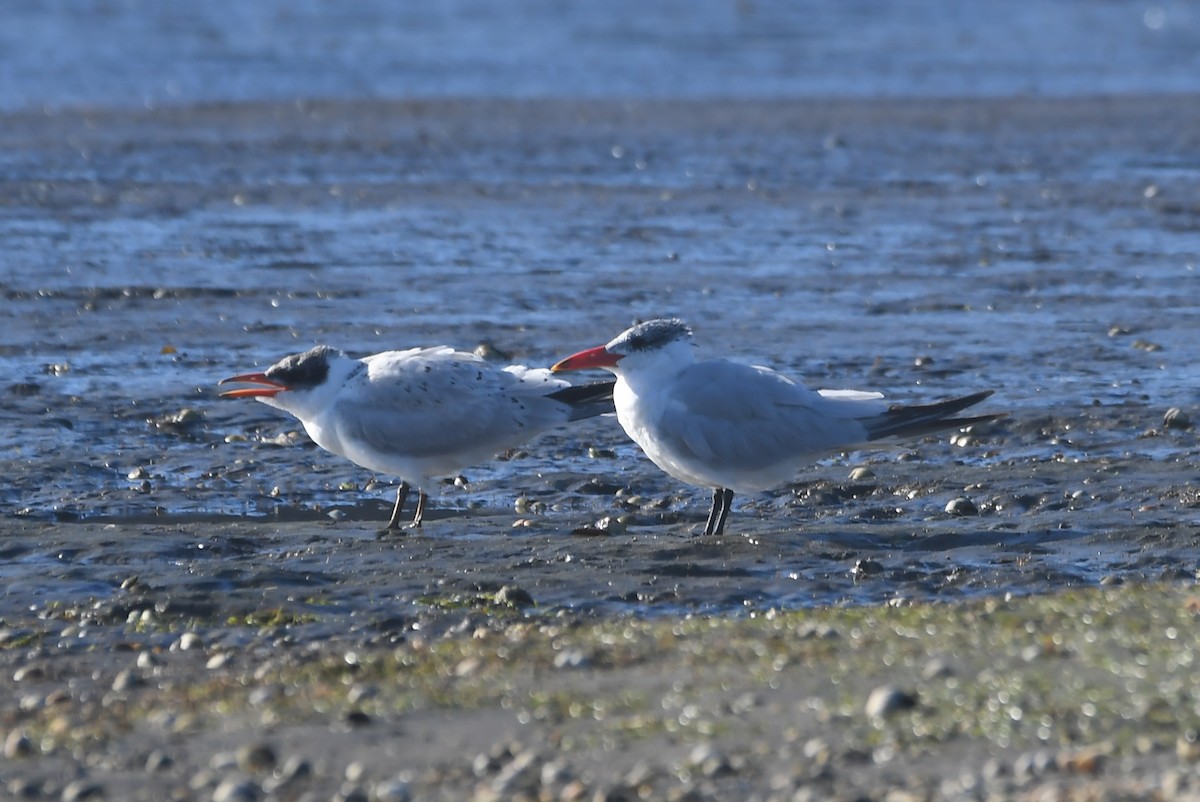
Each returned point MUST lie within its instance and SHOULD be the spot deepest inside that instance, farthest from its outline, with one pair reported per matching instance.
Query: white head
(662, 346)
(302, 384)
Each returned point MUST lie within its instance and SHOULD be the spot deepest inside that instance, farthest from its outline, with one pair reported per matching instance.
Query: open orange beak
(596, 357)
(266, 389)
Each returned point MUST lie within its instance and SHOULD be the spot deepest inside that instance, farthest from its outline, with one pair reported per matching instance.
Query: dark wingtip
(921, 419)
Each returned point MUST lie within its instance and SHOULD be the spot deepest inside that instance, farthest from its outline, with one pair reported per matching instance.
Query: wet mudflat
(1045, 248)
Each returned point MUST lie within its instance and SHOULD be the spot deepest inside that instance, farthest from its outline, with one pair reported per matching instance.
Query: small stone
(357, 718)
(571, 658)
(555, 773)
(518, 774)
(351, 793)
(1176, 418)
(294, 770)
(256, 757)
(1030, 765)
(82, 789)
(126, 680)
(861, 474)
(188, 641)
(218, 660)
(394, 790)
(865, 568)
(961, 507)
(24, 789)
(237, 788)
(158, 760)
(34, 672)
(513, 596)
(147, 660)
(888, 699)
(488, 350)
(17, 744)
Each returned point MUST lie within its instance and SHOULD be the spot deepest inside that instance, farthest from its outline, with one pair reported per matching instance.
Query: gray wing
(744, 417)
(433, 401)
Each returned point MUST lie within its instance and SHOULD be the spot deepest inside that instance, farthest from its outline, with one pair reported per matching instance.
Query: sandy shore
(1084, 695)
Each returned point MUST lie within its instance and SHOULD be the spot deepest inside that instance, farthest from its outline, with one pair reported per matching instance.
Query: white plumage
(420, 413)
(739, 428)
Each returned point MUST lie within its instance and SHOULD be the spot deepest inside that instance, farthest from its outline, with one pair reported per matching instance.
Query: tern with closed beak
(739, 428)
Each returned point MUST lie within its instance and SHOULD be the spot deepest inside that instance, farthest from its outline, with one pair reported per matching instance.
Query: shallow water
(1046, 249)
(132, 53)
(181, 204)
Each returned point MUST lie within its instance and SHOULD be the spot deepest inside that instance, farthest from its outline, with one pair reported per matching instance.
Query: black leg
(720, 509)
(421, 499)
(723, 502)
(401, 495)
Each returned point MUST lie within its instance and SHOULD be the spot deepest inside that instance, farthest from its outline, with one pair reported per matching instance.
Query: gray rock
(255, 757)
(126, 680)
(24, 789)
(394, 790)
(961, 507)
(82, 789)
(513, 596)
(294, 771)
(351, 793)
(888, 699)
(158, 760)
(17, 744)
(1176, 418)
(236, 788)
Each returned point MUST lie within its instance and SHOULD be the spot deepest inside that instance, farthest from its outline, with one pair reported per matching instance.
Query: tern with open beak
(420, 413)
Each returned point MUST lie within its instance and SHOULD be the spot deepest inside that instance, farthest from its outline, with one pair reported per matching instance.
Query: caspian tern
(740, 428)
(420, 413)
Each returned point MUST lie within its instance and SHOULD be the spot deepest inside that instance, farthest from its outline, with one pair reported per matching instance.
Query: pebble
(82, 789)
(236, 788)
(519, 774)
(256, 757)
(17, 744)
(513, 596)
(219, 660)
(188, 641)
(351, 793)
(1030, 765)
(865, 568)
(357, 718)
(571, 658)
(555, 773)
(294, 770)
(961, 506)
(888, 699)
(126, 680)
(1176, 418)
(860, 474)
(148, 660)
(394, 790)
(709, 761)
(158, 760)
(7, 636)
(24, 789)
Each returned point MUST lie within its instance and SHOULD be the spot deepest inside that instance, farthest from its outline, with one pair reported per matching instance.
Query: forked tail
(925, 418)
(586, 400)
